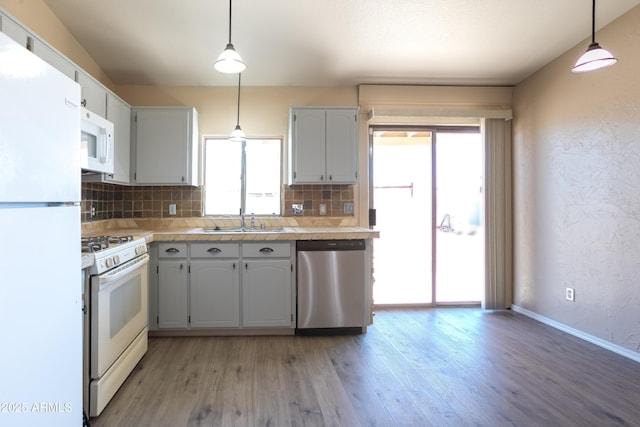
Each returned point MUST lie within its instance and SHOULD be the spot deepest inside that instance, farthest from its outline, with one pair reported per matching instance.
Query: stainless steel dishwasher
(331, 286)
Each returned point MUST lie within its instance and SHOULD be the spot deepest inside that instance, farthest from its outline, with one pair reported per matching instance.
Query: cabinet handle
(83, 103)
(214, 250)
(321, 177)
(266, 250)
(234, 265)
(330, 177)
(172, 251)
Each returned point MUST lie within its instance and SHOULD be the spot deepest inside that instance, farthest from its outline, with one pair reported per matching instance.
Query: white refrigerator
(40, 286)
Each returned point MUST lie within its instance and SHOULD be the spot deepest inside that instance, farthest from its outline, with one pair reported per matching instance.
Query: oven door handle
(123, 270)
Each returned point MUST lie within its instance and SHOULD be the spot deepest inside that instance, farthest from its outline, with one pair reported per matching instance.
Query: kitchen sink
(243, 230)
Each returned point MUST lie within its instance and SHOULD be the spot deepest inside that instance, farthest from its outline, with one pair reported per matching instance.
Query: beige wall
(577, 190)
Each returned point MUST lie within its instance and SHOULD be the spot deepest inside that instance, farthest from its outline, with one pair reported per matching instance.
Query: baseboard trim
(230, 332)
(579, 334)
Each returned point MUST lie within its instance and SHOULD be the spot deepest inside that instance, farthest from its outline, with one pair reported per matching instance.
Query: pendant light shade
(229, 60)
(238, 134)
(594, 57)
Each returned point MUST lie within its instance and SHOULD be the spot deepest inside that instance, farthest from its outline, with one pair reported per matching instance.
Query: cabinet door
(14, 30)
(162, 146)
(266, 293)
(94, 95)
(308, 145)
(54, 59)
(119, 113)
(342, 146)
(172, 294)
(215, 294)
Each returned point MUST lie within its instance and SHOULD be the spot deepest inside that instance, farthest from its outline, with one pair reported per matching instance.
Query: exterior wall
(576, 183)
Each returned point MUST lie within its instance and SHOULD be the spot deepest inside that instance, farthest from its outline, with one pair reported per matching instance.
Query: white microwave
(96, 142)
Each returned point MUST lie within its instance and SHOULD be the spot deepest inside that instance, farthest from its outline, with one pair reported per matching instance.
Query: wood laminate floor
(432, 367)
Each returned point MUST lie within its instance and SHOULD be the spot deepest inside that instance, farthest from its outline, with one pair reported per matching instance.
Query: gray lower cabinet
(215, 285)
(173, 310)
(266, 293)
(266, 285)
(224, 285)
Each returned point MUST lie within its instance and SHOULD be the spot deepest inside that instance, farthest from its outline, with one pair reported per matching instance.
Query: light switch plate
(296, 209)
(323, 208)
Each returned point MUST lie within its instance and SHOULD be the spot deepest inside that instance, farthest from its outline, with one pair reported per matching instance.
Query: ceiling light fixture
(238, 134)
(229, 60)
(594, 57)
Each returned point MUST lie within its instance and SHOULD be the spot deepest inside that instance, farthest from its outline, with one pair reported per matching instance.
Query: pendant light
(238, 134)
(594, 57)
(229, 61)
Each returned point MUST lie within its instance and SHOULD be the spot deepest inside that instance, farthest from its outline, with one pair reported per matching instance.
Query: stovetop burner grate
(93, 244)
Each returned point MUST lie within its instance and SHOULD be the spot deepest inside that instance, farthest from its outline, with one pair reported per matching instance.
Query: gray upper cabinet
(166, 146)
(55, 59)
(94, 94)
(119, 113)
(323, 145)
(16, 31)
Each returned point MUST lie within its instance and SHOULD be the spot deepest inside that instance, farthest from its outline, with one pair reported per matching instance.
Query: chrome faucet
(241, 220)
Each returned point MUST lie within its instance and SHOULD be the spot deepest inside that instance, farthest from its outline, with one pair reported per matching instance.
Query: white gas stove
(112, 251)
(117, 318)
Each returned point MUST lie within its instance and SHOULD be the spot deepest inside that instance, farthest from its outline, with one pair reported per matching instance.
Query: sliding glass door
(459, 236)
(426, 187)
(402, 192)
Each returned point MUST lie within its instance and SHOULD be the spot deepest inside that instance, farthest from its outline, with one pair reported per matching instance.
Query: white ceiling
(332, 42)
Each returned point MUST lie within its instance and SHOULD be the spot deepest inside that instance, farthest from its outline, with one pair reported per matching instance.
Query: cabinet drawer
(172, 250)
(215, 250)
(266, 249)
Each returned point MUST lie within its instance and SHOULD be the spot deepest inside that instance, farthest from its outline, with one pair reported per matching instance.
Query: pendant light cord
(238, 117)
(230, 20)
(593, 23)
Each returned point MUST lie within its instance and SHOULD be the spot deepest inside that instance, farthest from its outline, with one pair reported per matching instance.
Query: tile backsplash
(107, 201)
(334, 196)
(102, 201)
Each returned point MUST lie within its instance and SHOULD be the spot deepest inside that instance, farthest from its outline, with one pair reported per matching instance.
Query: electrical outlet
(348, 208)
(570, 294)
(296, 209)
(323, 208)
(172, 209)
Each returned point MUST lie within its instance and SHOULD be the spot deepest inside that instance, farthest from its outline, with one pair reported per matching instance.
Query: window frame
(243, 175)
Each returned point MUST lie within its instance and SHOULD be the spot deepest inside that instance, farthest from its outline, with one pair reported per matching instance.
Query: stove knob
(116, 259)
(109, 262)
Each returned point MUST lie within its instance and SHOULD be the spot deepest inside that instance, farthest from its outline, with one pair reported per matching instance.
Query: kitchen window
(242, 177)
